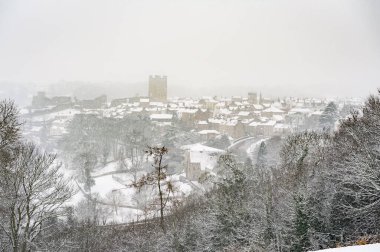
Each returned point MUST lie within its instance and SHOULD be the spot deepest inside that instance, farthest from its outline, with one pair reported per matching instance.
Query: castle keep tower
(158, 88)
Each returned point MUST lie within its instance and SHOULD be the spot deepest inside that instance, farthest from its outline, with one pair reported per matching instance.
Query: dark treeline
(308, 191)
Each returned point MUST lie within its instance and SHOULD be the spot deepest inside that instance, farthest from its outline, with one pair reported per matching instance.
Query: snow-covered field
(126, 203)
(362, 248)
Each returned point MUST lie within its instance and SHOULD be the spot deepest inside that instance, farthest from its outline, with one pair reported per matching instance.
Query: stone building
(97, 103)
(40, 100)
(158, 88)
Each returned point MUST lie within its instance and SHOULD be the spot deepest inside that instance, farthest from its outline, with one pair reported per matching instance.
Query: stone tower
(158, 88)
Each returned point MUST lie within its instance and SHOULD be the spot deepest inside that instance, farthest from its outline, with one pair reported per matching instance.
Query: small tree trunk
(161, 196)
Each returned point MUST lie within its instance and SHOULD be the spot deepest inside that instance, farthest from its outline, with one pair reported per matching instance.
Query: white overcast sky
(301, 47)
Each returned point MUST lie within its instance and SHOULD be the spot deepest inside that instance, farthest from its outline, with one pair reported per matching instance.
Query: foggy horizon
(123, 89)
(297, 48)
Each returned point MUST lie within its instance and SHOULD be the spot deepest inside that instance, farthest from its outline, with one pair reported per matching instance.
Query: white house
(162, 119)
(200, 159)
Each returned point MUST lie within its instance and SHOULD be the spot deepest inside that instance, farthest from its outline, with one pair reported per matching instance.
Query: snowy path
(247, 145)
(240, 142)
(252, 148)
(110, 173)
(104, 203)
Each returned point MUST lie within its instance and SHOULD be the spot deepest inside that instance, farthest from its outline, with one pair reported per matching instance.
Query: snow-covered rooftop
(161, 117)
(273, 110)
(205, 132)
(201, 148)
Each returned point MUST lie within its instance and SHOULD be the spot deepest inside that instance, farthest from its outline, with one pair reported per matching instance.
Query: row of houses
(234, 117)
(211, 117)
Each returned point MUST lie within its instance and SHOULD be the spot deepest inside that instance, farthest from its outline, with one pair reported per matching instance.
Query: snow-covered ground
(362, 248)
(124, 202)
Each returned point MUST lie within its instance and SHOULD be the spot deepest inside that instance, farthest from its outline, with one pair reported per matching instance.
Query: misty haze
(208, 125)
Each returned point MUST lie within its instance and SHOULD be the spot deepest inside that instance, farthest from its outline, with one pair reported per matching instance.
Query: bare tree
(115, 198)
(158, 177)
(33, 192)
(9, 129)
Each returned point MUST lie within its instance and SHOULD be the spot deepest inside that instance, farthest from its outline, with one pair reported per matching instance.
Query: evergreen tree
(262, 156)
(329, 116)
(220, 142)
(232, 216)
(301, 226)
